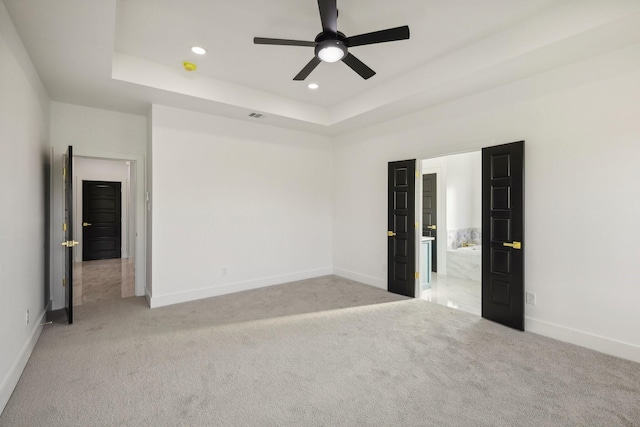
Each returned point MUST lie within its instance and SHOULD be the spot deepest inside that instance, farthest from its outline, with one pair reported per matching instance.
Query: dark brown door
(401, 259)
(101, 220)
(69, 243)
(503, 234)
(429, 214)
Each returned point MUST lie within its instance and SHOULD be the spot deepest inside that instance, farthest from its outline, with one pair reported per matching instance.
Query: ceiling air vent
(256, 115)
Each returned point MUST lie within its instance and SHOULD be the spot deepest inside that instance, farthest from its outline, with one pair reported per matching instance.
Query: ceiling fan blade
(283, 42)
(358, 66)
(328, 15)
(390, 35)
(307, 69)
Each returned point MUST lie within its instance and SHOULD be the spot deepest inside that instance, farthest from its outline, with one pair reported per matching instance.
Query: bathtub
(465, 262)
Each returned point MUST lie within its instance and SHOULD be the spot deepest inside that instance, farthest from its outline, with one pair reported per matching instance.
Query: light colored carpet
(326, 351)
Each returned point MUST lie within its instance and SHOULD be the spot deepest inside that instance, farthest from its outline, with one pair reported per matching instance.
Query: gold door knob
(86, 224)
(431, 227)
(390, 233)
(514, 245)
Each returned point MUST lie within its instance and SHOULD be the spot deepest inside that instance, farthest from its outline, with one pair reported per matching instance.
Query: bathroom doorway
(455, 280)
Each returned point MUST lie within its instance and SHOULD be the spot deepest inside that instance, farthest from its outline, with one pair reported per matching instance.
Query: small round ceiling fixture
(189, 66)
(198, 50)
(313, 86)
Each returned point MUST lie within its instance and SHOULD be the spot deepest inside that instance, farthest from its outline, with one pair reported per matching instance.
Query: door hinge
(417, 174)
(64, 227)
(64, 172)
(417, 275)
(64, 282)
(417, 225)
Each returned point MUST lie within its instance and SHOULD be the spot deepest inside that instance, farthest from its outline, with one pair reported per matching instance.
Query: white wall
(463, 191)
(147, 209)
(95, 133)
(24, 116)
(102, 170)
(582, 134)
(476, 190)
(236, 205)
(459, 196)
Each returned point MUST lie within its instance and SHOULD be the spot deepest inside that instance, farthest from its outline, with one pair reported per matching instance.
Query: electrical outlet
(27, 316)
(530, 298)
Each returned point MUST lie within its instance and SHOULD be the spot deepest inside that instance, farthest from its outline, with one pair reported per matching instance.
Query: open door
(69, 243)
(401, 248)
(503, 234)
(430, 214)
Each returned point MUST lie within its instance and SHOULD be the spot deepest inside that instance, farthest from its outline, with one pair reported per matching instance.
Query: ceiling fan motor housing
(331, 50)
(331, 47)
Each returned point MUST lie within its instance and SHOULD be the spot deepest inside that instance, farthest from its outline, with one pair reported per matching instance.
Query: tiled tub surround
(459, 237)
(465, 262)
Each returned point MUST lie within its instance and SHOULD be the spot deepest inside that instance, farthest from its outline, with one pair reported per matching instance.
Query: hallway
(103, 280)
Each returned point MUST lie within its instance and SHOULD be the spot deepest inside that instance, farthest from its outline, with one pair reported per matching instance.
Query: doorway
(105, 206)
(456, 228)
(501, 217)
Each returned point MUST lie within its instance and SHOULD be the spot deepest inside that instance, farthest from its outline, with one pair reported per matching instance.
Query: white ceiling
(125, 54)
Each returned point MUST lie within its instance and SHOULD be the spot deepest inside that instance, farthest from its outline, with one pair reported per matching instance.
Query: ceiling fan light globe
(331, 51)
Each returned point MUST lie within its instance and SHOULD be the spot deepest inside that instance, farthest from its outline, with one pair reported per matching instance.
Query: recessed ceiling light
(198, 50)
(313, 86)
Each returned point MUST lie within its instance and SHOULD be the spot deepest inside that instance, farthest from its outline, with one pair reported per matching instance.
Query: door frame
(138, 163)
(441, 190)
(128, 204)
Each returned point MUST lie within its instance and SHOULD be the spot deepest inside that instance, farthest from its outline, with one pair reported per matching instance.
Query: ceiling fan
(332, 46)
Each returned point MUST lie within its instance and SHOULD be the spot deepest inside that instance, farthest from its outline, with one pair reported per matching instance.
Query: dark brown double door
(502, 232)
(401, 234)
(101, 220)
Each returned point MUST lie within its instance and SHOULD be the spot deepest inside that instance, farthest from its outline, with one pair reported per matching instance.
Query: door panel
(503, 234)
(401, 250)
(101, 220)
(68, 227)
(429, 214)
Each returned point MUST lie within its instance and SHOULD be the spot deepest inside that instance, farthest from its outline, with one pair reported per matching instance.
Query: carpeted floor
(326, 351)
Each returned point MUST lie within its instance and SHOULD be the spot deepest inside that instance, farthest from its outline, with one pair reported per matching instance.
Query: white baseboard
(13, 376)
(583, 339)
(147, 295)
(228, 288)
(367, 280)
